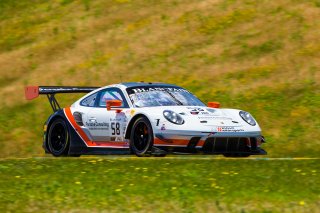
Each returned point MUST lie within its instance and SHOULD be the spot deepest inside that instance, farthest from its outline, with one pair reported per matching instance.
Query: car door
(107, 125)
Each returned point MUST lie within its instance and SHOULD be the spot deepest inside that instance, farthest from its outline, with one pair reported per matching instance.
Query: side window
(89, 101)
(111, 94)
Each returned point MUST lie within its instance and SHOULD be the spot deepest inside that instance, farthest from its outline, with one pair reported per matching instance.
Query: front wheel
(58, 138)
(141, 138)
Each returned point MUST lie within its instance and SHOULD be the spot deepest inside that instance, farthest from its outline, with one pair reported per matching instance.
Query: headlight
(173, 117)
(247, 118)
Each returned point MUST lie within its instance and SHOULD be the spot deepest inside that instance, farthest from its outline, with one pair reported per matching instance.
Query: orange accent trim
(200, 143)
(180, 142)
(214, 104)
(84, 137)
(177, 142)
(31, 92)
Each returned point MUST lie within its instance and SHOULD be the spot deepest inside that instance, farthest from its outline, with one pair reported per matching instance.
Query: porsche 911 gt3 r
(145, 119)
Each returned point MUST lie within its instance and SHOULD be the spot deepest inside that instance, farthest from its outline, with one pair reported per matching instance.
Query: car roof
(141, 84)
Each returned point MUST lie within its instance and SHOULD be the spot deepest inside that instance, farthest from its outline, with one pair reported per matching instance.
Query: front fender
(133, 119)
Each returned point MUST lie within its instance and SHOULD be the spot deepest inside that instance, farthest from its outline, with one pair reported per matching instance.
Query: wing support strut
(53, 102)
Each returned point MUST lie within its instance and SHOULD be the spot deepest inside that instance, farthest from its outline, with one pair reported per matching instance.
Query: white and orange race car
(145, 119)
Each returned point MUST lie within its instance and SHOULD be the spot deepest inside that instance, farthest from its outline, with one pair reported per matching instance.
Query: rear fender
(46, 126)
(76, 143)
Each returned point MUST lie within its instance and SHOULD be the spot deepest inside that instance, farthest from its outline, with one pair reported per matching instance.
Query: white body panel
(103, 125)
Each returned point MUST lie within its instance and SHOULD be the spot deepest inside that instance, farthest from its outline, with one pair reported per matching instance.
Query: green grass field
(172, 184)
(260, 56)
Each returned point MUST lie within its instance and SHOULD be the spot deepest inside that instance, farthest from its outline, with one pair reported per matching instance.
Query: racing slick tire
(236, 155)
(58, 138)
(141, 137)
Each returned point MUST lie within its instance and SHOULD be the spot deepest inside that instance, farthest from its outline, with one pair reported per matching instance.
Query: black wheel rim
(141, 136)
(58, 138)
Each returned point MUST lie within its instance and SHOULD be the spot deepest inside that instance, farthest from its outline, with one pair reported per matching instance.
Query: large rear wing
(32, 92)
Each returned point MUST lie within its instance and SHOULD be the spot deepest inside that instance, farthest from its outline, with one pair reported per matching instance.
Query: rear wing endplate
(32, 92)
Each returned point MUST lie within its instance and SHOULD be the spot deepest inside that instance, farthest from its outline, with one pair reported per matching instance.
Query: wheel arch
(131, 122)
(48, 123)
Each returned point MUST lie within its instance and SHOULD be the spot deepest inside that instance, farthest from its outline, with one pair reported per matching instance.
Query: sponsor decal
(197, 110)
(148, 89)
(125, 119)
(204, 113)
(212, 117)
(163, 127)
(117, 139)
(115, 119)
(97, 125)
(229, 129)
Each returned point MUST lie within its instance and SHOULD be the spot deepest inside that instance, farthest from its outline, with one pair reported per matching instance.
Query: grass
(254, 55)
(175, 184)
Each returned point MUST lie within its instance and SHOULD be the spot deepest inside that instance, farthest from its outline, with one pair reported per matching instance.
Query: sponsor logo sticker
(229, 129)
(163, 127)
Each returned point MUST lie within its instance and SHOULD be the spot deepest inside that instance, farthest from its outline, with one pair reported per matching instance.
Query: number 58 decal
(115, 128)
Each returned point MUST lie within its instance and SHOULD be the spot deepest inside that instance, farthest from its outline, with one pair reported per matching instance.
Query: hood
(203, 115)
(208, 116)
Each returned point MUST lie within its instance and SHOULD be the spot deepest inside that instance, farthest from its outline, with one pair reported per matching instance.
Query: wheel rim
(141, 136)
(58, 138)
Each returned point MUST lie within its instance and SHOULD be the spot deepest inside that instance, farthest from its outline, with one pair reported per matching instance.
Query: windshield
(162, 96)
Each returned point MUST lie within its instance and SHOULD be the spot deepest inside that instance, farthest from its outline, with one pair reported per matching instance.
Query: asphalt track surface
(179, 157)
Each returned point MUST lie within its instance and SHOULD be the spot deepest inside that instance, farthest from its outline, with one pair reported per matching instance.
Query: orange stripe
(180, 142)
(84, 137)
(75, 125)
(200, 143)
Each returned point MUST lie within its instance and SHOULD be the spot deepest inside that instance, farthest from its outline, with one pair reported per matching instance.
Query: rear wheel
(58, 138)
(141, 138)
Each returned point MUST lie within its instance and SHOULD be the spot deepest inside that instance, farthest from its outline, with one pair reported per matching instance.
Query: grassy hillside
(260, 56)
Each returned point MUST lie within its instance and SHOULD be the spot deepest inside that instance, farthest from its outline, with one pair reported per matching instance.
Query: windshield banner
(149, 89)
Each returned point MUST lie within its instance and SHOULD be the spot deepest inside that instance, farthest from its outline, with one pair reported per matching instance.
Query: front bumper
(244, 143)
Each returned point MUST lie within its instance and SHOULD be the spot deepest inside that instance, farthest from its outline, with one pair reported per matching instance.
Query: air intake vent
(225, 145)
(78, 118)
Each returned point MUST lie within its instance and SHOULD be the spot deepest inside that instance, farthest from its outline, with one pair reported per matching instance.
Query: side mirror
(214, 104)
(113, 103)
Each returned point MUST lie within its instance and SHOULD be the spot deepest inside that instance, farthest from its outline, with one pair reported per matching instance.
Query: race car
(145, 119)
